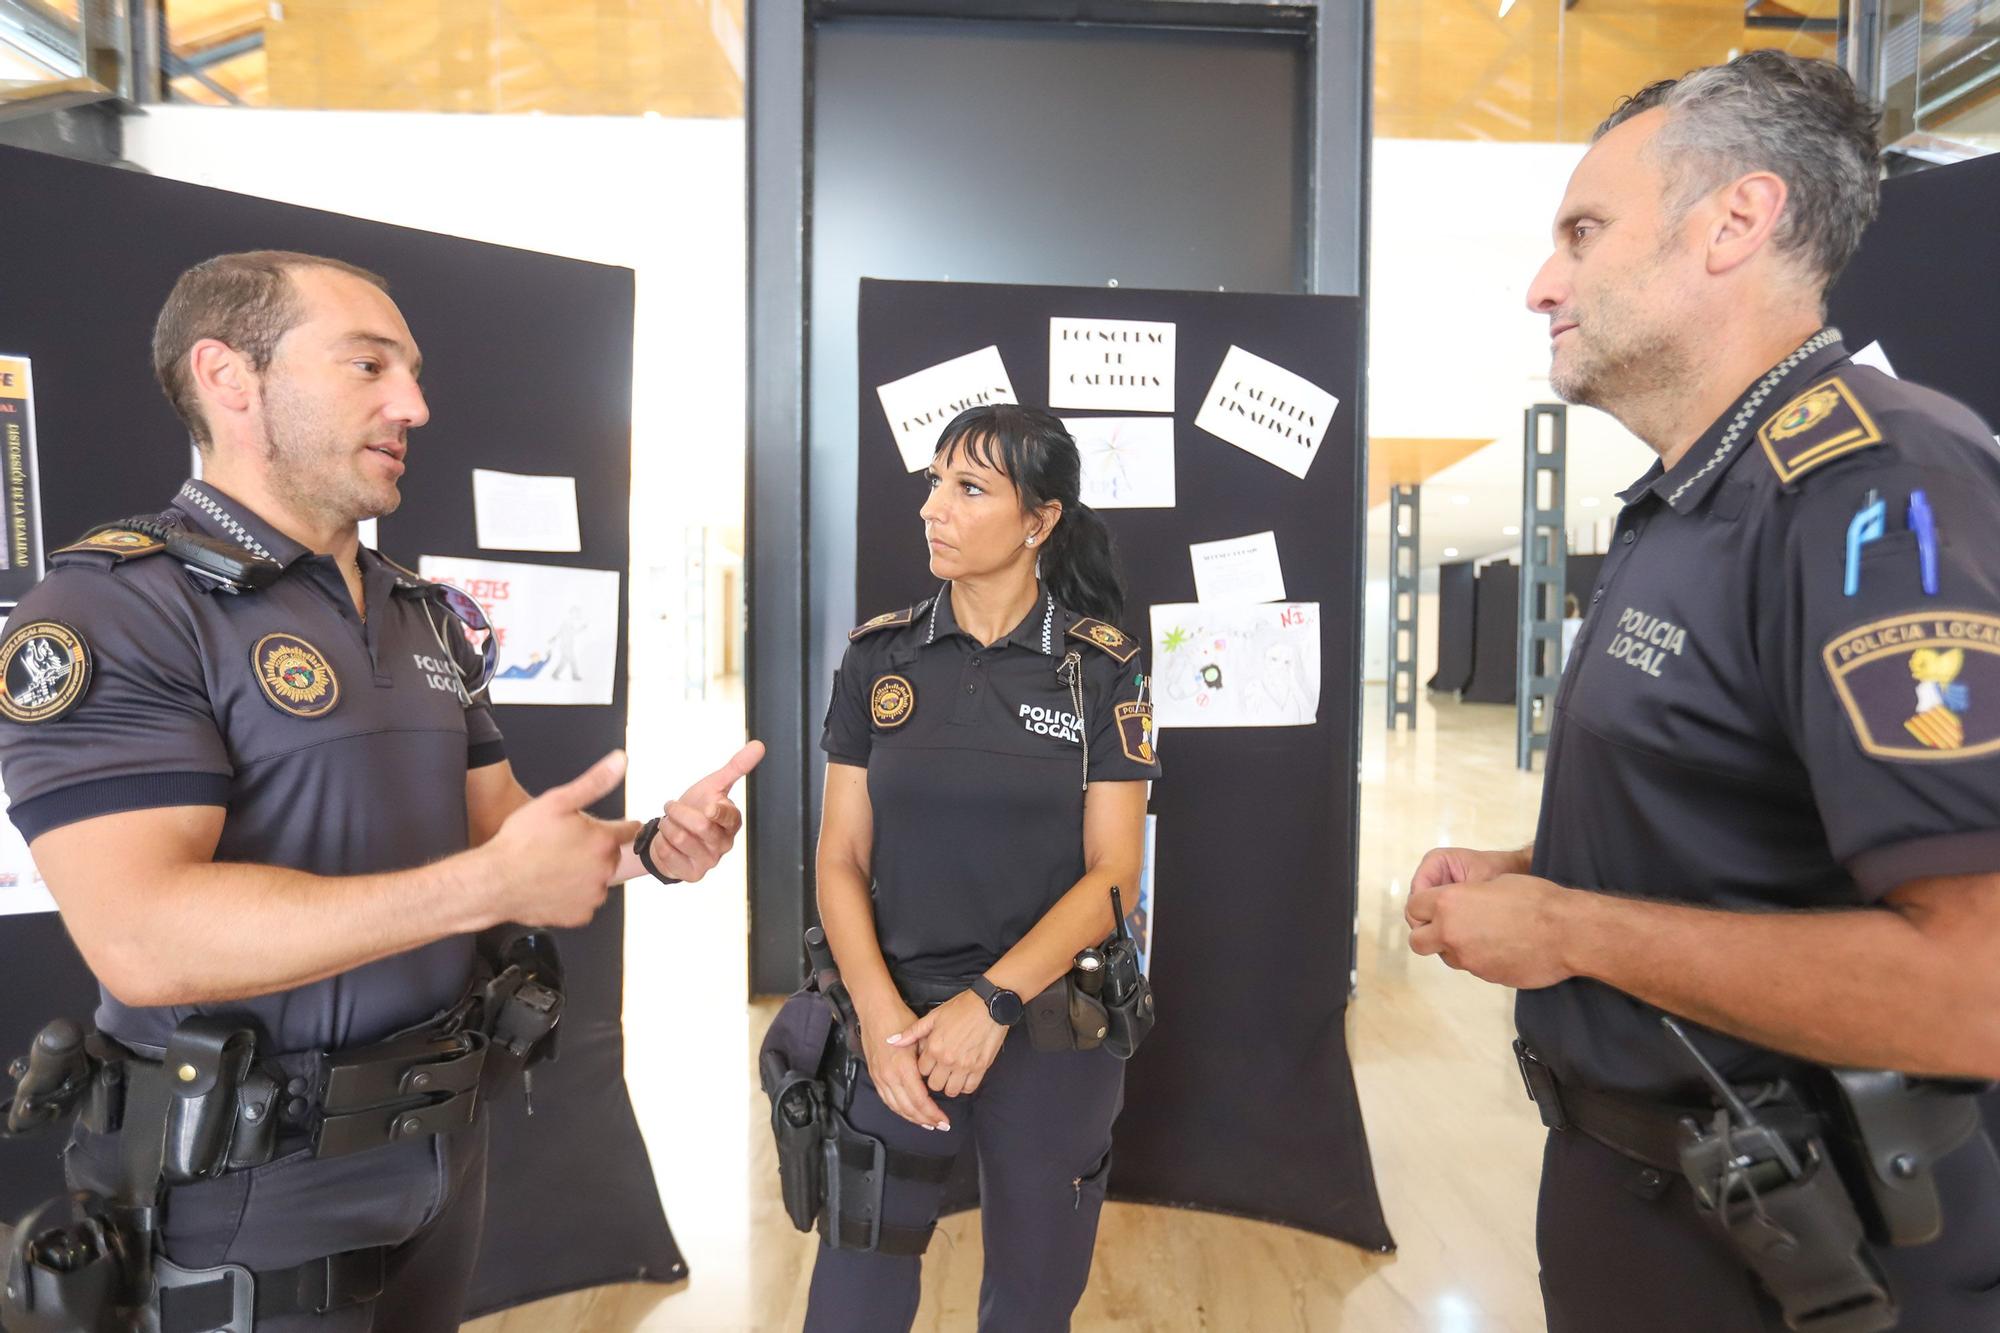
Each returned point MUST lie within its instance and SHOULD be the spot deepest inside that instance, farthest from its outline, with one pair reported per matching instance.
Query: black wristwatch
(642, 848)
(1002, 1006)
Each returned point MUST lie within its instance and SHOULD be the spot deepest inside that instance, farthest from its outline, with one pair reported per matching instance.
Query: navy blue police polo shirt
(977, 758)
(1785, 694)
(336, 745)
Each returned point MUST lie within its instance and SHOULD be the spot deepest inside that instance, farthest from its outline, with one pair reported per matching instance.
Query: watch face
(1005, 1008)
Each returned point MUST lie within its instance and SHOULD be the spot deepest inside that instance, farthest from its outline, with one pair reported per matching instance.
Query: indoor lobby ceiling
(1445, 69)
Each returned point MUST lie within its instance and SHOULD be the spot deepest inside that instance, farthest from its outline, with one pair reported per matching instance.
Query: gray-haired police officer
(988, 754)
(1772, 803)
(256, 765)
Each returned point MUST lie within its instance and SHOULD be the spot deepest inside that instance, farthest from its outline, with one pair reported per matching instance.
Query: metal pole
(1404, 513)
(1544, 558)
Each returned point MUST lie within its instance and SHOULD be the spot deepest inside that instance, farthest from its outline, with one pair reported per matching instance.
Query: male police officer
(1772, 804)
(263, 783)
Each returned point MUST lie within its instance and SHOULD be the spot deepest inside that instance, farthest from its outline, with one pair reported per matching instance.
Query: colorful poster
(21, 515)
(1128, 462)
(557, 626)
(1139, 912)
(1235, 664)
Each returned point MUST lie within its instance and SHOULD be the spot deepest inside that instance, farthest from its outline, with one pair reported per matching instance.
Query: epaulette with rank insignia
(1825, 422)
(120, 541)
(1120, 646)
(888, 620)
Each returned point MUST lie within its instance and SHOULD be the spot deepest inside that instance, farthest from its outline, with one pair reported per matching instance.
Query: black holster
(830, 1174)
(1800, 1234)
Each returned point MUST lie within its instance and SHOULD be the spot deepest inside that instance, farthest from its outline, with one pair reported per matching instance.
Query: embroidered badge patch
(1110, 638)
(295, 676)
(119, 541)
(883, 621)
(46, 667)
(1818, 426)
(1135, 731)
(1921, 687)
(892, 701)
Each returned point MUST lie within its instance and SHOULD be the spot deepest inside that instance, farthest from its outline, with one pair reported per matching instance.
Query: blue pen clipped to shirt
(1866, 526)
(1922, 522)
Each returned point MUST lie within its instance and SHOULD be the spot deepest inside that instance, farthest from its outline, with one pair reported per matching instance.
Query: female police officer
(988, 754)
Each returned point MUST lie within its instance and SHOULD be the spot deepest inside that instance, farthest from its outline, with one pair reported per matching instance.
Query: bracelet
(641, 847)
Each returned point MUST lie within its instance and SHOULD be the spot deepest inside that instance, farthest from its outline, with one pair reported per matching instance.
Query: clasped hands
(1480, 912)
(948, 1051)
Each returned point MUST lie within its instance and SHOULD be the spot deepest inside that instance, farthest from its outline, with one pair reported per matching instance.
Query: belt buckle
(1541, 1086)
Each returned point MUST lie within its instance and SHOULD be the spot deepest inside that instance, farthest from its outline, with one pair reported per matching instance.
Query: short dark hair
(1801, 119)
(247, 300)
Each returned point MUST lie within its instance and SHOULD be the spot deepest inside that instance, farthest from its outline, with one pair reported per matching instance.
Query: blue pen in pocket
(1923, 523)
(1866, 526)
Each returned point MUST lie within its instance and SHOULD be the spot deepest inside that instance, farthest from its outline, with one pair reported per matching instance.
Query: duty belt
(1646, 1132)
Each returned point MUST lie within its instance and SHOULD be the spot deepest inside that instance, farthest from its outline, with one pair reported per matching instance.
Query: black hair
(1033, 449)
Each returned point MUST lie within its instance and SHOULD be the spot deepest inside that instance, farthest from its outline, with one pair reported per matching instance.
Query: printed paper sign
(919, 406)
(1117, 365)
(1235, 665)
(21, 515)
(517, 512)
(1239, 569)
(557, 626)
(1264, 409)
(1128, 462)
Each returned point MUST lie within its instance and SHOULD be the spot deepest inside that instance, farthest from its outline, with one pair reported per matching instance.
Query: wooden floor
(1455, 1142)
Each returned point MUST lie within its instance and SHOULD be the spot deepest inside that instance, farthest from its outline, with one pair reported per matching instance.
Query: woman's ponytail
(1079, 567)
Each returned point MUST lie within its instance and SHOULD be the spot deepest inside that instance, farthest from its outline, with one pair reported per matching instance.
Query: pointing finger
(592, 785)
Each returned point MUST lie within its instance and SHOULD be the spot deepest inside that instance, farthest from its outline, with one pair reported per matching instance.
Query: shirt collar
(1689, 481)
(1036, 632)
(219, 515)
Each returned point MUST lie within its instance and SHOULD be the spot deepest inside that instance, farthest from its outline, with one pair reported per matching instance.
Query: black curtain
(1925, 286)
(1243, 1099)
(529, 364)
(1496, 646)
(1454, 628)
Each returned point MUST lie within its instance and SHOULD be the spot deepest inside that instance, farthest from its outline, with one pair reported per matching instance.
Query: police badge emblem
(892, 701)
(119, 541)
(1135, 731)
(1913, 686)
(46, 668)
(295, 676)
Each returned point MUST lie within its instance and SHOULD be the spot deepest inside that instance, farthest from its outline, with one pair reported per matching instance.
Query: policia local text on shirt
(1767, 869)
(275, 826)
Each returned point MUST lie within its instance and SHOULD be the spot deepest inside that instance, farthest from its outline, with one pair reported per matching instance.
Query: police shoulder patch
(1825, 422)
(46, 668)
(1135, 731)
(112, 539)
(887, 620)
(295, 676)
(1922, 687)
(1115, 642)
(892, 701)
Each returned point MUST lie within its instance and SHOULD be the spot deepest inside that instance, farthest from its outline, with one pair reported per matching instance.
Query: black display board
(1454, 628)
(1925, 286)
(528, 369)
(1242, 1100)
(1496, 648)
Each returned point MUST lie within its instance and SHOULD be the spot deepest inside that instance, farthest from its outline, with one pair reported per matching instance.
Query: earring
(1031, 541)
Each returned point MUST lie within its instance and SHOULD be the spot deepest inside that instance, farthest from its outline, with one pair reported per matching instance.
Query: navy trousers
(1041, 1125)
(425, 1199)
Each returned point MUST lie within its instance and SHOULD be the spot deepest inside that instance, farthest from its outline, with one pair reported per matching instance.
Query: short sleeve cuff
(1882, 869)
(110, 796)
(485, 754)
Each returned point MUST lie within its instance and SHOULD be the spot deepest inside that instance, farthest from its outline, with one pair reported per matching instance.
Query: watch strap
(642, 848)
